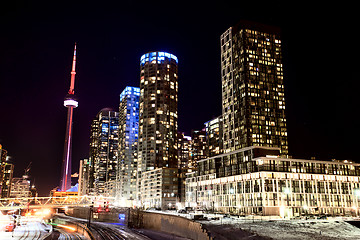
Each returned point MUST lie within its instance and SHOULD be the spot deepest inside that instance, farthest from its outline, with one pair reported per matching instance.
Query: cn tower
(70, 102)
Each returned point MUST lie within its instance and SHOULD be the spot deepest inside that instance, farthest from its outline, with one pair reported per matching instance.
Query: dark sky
(320, 55)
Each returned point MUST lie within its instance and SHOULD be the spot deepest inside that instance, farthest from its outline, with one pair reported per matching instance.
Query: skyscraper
(84, 177)
(253, 103)
(184, 151)
(6, 173)
(157, 147)
(104, 149)
(158, 110)
(198, 146)
(213, 129)
(128, 140)
(70, 102)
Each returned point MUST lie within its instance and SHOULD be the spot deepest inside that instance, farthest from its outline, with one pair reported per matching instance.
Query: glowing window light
(174, 57)
(130, 91)
(156, 56)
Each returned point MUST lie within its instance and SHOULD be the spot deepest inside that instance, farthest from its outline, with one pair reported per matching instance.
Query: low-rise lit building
(20, 187)
(159, 188)
(257, 180)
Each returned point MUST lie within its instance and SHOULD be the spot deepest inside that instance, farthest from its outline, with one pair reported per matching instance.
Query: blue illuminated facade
(128, 139)
(157, 57)
(130, 91)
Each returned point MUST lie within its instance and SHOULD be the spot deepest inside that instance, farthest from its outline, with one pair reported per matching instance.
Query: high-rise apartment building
(213, 129)
(157, 146)
(184, 151)
(198, 146)
(6, 173)
(253, 103)
(128, 143)
(104, 148)
(253, 174)
(158, 110)
(84, 177)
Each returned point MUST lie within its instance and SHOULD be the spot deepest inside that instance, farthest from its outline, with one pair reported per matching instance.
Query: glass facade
(104, 149)
(128, 142)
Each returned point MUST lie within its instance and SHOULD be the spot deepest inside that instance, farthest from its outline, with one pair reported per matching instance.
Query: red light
(106, 210)
(99, 210)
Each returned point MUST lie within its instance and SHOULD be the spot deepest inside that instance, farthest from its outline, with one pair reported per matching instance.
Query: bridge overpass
(53, 202)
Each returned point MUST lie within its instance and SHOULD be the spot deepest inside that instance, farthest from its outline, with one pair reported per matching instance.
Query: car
(182, 211)
(9, 227)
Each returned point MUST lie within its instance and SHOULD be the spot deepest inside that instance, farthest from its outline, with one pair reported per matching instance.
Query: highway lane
(28, 231)
(35, 229)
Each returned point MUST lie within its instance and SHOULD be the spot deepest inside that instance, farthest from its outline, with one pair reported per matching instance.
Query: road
(33, 229)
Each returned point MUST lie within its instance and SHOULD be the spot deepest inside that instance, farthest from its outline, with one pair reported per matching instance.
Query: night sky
(320, 58)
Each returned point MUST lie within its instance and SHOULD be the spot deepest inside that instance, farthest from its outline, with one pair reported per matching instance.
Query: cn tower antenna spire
(72, 83)
(70, 103)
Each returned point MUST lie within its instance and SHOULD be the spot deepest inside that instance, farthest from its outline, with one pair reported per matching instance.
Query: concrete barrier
(114, 215)
(176, 225)
(171, 224)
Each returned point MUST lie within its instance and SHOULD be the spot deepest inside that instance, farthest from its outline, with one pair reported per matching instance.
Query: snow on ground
(229, 228)
(266, 228)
